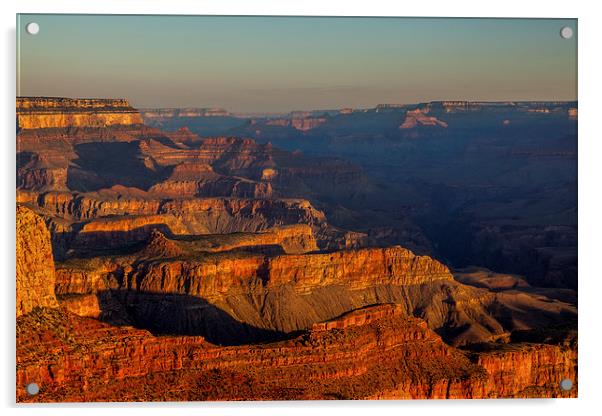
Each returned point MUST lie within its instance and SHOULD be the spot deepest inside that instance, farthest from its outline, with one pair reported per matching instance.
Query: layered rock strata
(385, 356)
(233, 294)
(257, 292)
(119, 217)
(46, 112)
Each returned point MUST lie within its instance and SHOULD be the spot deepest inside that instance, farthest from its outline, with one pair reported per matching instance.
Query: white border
(590, 157)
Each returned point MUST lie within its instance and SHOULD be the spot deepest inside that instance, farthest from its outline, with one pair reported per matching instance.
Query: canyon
(276, 282)
(158, 262)
(495, 187)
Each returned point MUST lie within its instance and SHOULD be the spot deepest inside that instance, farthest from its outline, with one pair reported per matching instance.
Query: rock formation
(299, 123)
(120, 216)
(372, 353)
(419, 117)
(43, 112)
(263, 293)
(35, 266)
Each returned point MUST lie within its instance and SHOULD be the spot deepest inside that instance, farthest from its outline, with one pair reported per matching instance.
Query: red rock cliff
(214, 277)
(380, 355)
(35, 265)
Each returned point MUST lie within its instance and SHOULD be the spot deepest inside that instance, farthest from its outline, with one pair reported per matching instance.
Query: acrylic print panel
(288, 208)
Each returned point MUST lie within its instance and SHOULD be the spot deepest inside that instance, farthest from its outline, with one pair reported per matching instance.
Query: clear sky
(278, 64)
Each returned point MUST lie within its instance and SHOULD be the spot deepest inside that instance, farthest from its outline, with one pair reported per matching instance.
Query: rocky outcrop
(419, 117)
(81, 278)
(363, 316)
(382, 354)
(99, 362)
(86, 305)
(37, 173)
(34, 264)
(123, 231)
(356, 268)
(216, 277)
(528, 370)
(200, 180)
(519, 371)
(44, 112)
(291, 239)
(120, 216)
(159, 246)
(195, 280)
(268, 295)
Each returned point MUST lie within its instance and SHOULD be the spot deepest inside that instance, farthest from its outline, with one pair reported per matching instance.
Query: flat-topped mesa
(58, 112)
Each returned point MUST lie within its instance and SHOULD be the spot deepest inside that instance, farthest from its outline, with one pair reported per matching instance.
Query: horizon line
(510, 101)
